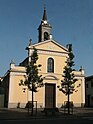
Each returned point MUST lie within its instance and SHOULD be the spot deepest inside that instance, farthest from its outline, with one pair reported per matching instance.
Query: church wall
(76, 97)
(60, 98)
(39, 97)
(20, 92)
(16, 94)
(59, 63)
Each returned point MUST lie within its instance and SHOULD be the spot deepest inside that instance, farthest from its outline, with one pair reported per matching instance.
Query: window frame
(50, 65)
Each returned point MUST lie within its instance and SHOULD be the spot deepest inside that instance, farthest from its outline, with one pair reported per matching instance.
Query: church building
(52, 57)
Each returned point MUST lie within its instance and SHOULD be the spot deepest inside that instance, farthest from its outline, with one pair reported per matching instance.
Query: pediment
(50, 45)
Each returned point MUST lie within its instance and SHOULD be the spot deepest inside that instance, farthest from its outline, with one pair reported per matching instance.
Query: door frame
(54, 94)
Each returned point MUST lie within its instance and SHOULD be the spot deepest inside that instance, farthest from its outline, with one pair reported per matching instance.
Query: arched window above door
(50, 65)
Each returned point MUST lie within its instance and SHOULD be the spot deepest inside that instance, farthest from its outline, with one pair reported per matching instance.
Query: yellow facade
(59, 54)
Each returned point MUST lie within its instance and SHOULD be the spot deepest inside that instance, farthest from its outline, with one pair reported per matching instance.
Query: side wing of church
(52, 57)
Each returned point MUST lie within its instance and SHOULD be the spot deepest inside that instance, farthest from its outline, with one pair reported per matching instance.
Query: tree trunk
(32, 100)
(68, 101)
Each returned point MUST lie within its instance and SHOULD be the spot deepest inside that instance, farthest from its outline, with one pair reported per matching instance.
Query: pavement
(20, 113)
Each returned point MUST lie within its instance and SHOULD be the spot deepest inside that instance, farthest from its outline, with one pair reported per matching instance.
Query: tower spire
(44, 14)
(44, 29)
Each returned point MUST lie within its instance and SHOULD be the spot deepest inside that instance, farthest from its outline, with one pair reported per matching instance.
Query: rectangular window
(92, 83)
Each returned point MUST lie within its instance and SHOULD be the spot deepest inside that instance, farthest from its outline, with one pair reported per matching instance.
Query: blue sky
(71, 20)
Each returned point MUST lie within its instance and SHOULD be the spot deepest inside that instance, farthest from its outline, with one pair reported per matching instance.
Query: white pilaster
(83, 90)
(11, 87)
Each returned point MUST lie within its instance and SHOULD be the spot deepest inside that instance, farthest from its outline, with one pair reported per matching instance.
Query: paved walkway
(23, 114)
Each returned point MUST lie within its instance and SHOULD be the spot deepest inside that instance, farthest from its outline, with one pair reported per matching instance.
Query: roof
(89, 77)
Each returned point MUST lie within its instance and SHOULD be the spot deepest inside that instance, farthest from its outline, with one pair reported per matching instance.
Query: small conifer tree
(33, 79)
(68, 83)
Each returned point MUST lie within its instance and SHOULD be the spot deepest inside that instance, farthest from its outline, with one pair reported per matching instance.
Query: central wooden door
(50, 95)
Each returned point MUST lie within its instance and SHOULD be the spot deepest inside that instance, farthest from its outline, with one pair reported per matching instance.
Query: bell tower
(44, 29)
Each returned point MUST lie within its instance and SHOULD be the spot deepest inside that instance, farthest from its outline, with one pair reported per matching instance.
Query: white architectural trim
(18, 73)
(83, 91)
(52, 53)
(44, 96)
(82, 79)
(11, 87)
(56, 96)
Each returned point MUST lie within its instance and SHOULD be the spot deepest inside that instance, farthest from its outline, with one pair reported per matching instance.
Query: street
(16, 116)
(49, 121)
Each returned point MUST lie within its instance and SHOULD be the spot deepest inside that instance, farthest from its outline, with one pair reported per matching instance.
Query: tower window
(50, 65)
(46, 36)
